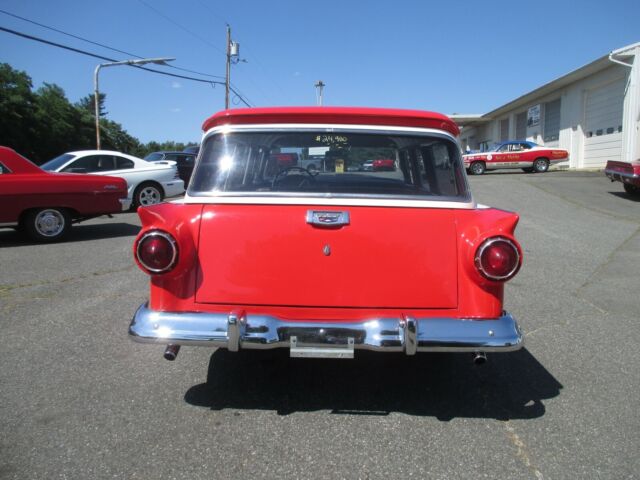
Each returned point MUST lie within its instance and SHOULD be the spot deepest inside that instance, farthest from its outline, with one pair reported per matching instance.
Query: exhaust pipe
(479, 358)
(171, 352)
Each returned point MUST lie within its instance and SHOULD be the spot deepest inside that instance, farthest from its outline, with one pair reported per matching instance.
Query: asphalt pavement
(79, 400)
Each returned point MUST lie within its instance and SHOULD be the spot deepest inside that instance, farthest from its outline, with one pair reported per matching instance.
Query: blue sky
(451, 57)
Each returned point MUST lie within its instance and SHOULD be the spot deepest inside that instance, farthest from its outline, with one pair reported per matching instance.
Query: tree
(17, 107)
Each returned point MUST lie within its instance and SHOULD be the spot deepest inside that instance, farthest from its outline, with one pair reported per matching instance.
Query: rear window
(329, 163)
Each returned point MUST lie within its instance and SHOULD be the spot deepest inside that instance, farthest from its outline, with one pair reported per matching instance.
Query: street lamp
(142, 61)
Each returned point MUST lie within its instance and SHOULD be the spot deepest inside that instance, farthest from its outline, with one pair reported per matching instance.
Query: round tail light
(498, 258)
(157, 251)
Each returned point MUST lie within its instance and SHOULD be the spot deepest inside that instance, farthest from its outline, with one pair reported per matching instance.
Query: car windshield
(55, 163)
(321, 163)
(152, 157)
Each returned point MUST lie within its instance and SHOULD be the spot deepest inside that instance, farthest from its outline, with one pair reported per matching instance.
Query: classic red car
(528, 156)
(627, 173)
(44, 204)
(328, 262)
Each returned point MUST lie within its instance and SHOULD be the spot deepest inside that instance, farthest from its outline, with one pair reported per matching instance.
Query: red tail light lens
(157, 251)
(498, 258)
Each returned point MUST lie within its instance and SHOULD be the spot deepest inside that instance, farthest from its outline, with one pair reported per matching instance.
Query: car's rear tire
(631, 189)
(477, 168)
(528, 170)
(540, 165)
(46, 224)
(147, 193)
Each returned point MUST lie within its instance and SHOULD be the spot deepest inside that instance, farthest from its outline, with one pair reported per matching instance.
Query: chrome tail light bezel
(174, 246)
(486, 244)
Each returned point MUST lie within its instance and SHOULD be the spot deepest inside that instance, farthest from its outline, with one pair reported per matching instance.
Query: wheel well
(542, 158)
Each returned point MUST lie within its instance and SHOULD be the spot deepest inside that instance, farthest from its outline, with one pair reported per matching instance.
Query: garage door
(603, 124)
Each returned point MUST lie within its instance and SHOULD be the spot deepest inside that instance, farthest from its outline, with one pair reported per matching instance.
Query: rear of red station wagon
(269, 254)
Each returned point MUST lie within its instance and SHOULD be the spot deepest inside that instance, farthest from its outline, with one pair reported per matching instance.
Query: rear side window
(123, 163)
(4, 169)
(321, 163)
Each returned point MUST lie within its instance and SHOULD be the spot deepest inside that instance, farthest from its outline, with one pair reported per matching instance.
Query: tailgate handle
(321, 218)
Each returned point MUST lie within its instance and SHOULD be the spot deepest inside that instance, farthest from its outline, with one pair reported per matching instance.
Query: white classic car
(148, 183)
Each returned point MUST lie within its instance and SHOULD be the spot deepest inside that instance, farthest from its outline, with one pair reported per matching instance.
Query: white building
(593, 112)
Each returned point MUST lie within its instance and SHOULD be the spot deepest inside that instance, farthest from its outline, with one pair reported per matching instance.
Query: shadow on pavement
(78, 233)
(626, 196)
(445, 386)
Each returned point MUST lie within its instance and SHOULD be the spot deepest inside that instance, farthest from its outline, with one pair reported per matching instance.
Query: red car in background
(627, 173)
(44, 204)
(327, 262)
(384, 164)
(526, 155)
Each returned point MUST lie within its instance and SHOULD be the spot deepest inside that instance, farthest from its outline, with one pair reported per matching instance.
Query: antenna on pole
(319, 87)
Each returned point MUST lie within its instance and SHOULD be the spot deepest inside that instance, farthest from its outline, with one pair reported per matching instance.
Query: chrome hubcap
(149, 196)
(541, 165)
(49, 223)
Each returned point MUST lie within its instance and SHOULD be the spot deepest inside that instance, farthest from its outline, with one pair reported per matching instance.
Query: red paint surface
(627, 168)
(28, 186)
(333, 115)
(253, 257)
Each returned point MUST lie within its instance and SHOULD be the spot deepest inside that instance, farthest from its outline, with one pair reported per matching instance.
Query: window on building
(551, 121)
(504, 129)
(521, 125)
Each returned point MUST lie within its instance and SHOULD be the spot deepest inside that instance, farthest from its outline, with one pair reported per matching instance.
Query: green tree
(17, 108)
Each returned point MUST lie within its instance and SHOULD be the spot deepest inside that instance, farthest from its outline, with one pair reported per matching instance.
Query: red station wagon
(324, 262)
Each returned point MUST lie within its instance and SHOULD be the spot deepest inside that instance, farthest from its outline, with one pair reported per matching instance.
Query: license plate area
(298, 350)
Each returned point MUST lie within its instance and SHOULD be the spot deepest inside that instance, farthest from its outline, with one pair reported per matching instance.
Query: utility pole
(319, 86)
(228, 77)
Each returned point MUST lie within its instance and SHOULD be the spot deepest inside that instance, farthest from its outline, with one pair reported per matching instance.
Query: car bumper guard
(240, 330)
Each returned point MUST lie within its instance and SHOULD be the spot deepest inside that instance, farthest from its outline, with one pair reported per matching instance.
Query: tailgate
(384, 257)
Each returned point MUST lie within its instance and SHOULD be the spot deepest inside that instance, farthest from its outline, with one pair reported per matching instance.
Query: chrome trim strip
(324, 200)
(8, 224)
(384, 334)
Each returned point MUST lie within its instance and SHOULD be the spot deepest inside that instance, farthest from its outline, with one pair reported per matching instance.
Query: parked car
(44, 205)
(367, 166)
(627, 173)
(185, 162)
(523, 154)
(325, 263)
(148, 183)
(193, 149)
(384, 164)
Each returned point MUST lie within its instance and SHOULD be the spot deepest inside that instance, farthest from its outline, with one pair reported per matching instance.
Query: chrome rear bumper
(248, 331)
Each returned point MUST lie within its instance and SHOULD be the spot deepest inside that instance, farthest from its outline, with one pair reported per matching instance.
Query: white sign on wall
(533, 116)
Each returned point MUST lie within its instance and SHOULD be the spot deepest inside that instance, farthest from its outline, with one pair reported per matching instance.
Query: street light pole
(96, 92)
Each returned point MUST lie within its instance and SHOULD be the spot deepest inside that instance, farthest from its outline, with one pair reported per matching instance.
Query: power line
(94, 55)
(170, 20)
(100, 44)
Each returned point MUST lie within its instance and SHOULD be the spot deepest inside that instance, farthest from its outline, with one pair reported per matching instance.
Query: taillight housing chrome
(157, 252)
(498, 259)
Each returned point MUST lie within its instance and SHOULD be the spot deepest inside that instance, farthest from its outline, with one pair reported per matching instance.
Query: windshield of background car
(320, 163)
(152, 157)
(55, 163)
